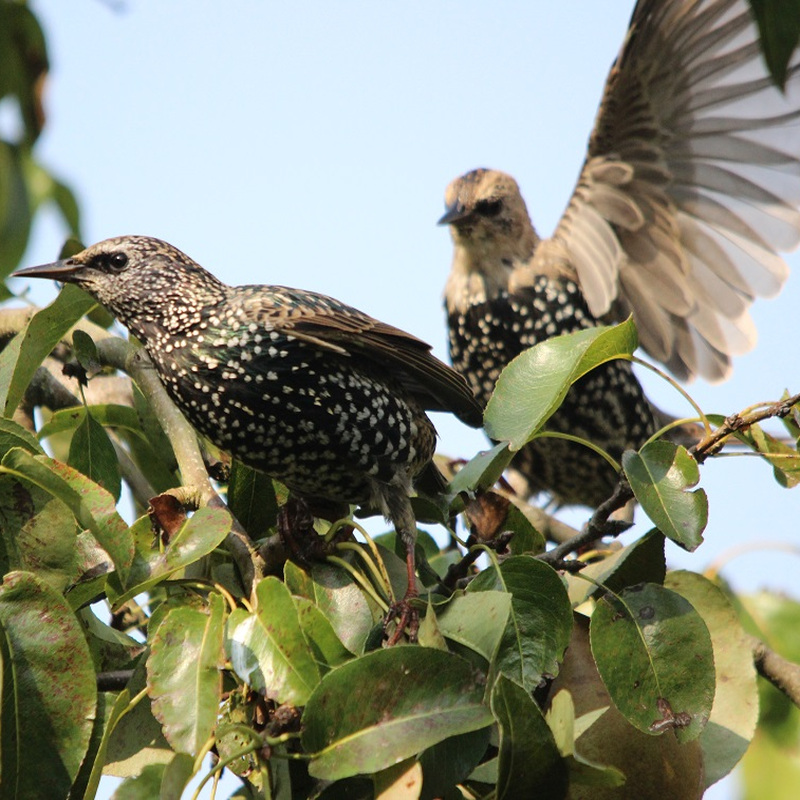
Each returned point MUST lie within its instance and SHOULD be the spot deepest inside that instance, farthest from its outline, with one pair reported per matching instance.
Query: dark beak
(62, 271)
(453, 213)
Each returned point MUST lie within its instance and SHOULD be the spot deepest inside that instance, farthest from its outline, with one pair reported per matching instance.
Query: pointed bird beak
(453, 213)
(61, 271)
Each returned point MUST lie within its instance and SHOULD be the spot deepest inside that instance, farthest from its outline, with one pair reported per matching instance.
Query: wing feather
(691, 185)
(327, 324)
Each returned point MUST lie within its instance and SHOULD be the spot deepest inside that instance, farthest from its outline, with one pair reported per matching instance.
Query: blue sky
(309, 144)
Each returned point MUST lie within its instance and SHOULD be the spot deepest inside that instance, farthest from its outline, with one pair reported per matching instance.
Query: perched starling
(690, 186)
(298, 385)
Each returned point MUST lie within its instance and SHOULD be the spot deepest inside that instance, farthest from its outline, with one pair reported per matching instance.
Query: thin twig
(599, 524)
(460, 570)
(712, 443)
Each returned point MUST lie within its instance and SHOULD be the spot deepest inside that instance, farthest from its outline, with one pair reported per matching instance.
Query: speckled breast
(310, 418)
(606, 407)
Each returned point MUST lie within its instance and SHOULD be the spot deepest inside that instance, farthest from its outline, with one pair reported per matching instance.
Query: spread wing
(690, 187)
(330, 325)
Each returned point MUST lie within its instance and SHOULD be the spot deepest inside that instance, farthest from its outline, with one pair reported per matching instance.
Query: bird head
(143, 281)
(488, 217)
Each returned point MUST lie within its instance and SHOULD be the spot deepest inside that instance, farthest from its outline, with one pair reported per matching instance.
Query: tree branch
(114, 681)
(784, 675)
(135, 362)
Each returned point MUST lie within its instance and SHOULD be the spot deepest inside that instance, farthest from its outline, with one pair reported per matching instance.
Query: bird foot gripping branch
(318, 395)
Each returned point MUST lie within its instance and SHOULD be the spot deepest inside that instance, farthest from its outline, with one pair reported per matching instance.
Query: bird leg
(405, 615)
(295, 525)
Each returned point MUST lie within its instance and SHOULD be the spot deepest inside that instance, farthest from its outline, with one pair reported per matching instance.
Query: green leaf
(144, 786)
(539, 627)
(338, 597)
(154, 463)
(734, 714)
(654, 654)
(661, 474)
(535, 383)
(92, 568)
(14, 435)
(482, 471)
(198, 537)
(784, 459)
(93, 507)
(777, 618)
(136, 739)
(779, 27)
(251, 499)
(388, 705)
(566, 729)
(769, 770)
(49, 694)
(177, 774)
(66, 202)
(237, 742)
(85, 351)
(450, 762)
(91, 453)
(641, 561)
(529, 762)
(268, 649)
(520, 521)
(184, 678)
(154, 460)
(486, 772)
(111, 649)
(85, 784)
(109, 415)
(15, 207)
(476, 620)
(320, 635)
(24, 52)
(38, 533)
(22, 356)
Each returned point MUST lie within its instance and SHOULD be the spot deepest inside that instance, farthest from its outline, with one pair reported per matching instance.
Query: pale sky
(309, 144)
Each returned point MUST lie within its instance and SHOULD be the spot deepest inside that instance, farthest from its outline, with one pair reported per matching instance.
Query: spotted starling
(690, 186)
(298, 385)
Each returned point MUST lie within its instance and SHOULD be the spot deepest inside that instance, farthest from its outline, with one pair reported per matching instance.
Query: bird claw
(304, 545)
(406, 621)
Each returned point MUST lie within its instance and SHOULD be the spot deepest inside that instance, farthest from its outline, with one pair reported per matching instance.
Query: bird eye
(117, 261)
(488, 208)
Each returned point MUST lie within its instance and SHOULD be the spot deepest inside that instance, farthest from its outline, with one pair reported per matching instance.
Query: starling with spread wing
(689, 190)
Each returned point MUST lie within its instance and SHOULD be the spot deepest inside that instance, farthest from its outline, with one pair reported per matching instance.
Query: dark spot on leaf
(669, 719)
(647, 612)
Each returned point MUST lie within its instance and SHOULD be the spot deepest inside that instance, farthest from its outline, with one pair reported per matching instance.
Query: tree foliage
(135, 643)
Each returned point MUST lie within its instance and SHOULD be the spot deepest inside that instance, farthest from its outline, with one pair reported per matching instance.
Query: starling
(298, 385)
(690, 185)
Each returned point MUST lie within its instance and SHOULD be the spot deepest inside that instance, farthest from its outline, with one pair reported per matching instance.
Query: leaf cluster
(522, 678)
